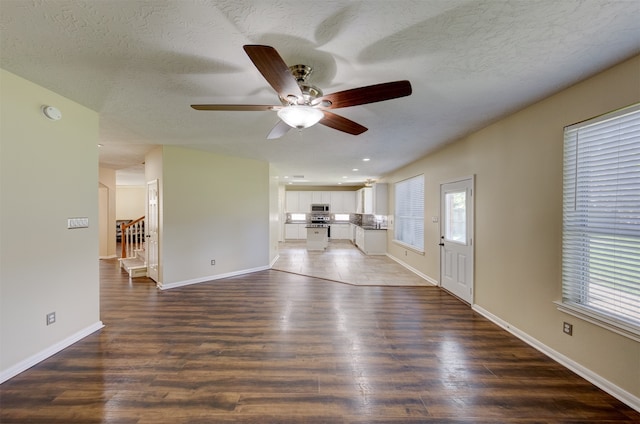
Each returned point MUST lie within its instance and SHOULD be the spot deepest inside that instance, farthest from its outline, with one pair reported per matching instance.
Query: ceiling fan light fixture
(300, 116)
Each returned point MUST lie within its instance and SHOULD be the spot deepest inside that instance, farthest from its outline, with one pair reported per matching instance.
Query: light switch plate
(78, 223)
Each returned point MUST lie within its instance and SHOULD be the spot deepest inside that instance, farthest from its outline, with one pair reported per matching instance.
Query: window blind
(409, 212)
(601, 218)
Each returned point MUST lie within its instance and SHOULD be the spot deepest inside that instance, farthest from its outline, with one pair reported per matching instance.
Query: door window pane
(456, 217)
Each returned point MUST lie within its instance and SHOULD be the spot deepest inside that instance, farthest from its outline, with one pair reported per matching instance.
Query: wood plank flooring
(275, 347)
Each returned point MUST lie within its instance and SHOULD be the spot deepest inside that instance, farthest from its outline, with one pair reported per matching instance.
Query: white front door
(152, 230)
(456, 238)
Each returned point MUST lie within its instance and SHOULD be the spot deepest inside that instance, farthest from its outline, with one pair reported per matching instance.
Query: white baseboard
(108, 257)
(273, 262)
(168, 286)
(50, 351)
(415, 271)
(597, 380)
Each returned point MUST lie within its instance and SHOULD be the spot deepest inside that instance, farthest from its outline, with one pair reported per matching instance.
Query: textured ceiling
(140, 64)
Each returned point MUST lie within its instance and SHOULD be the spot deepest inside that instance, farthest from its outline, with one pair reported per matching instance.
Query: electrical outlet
(51, 318)
(567, 328)
(213, 262)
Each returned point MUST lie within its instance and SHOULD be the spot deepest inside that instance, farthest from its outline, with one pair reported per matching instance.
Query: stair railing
(132, 237)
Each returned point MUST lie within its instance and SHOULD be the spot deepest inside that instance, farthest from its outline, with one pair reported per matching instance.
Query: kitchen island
(317, 237)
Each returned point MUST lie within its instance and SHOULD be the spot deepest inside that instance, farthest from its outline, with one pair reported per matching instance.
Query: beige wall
(518, 228)
(130, 202)
(48, 173)
(213, 207)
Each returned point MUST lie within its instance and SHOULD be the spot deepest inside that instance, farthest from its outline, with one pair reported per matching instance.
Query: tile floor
(343, 262)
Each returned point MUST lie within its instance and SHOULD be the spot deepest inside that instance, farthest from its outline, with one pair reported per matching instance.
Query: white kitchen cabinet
(295, 231)
(298, 201)
(364, 201)
(321, 197)
(291, 200)
(349, 201)
(360, 238)
(343, 201)
(379, 199)
(371, 242)
(337, 202)
(304, 202)
(340, 231)
(317, 238)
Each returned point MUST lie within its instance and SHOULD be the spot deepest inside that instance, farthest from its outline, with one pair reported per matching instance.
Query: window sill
(603, 321)
(409, 247)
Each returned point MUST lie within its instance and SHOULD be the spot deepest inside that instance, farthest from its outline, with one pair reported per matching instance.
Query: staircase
(136, 266)
(133, 258)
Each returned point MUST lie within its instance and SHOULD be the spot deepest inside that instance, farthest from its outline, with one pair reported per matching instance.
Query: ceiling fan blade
(364, 95)
(236, 107)
(274, 70)
(340, 123)
(279, 130)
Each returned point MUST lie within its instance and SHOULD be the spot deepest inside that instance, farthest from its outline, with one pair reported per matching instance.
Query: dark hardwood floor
(274, 347)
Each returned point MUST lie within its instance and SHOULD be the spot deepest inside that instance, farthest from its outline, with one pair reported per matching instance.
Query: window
(601, 221)
(341, 217)
(409, 226)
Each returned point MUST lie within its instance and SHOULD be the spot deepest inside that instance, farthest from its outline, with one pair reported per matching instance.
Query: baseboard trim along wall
(615, 391)
(168, 286)
(415, 271)
(48, 352)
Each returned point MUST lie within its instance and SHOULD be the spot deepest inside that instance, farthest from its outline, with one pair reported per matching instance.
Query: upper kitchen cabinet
(372, 200)
(304, 202)
(364, 201)
(343, 201)
(298, 201)
(321, 197)
(379, 199)
(291, 199)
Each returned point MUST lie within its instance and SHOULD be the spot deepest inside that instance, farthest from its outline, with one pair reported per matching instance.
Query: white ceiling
(140, 64)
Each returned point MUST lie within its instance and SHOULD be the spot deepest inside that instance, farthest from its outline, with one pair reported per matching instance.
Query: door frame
(470, 230)
(153, 239)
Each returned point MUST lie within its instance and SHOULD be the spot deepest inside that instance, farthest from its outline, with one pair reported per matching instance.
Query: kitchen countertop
(364, 227)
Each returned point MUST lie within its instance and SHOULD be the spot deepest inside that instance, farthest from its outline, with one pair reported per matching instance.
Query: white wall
(213, 207)
(518, 239)
(48, 173)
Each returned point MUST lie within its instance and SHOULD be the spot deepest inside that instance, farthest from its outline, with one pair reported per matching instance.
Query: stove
(321, 221)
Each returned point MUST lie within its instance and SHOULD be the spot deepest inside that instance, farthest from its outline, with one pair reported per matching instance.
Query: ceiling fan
(302, 104)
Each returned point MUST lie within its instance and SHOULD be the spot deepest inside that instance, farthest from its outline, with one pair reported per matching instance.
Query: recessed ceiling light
(366, 160)
(355, 169)
(344, 176)
(286, 176)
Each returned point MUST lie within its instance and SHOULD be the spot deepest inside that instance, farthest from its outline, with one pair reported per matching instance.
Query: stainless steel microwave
(319, 208)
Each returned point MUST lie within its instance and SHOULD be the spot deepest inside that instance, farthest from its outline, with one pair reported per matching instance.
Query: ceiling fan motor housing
(309, 92)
